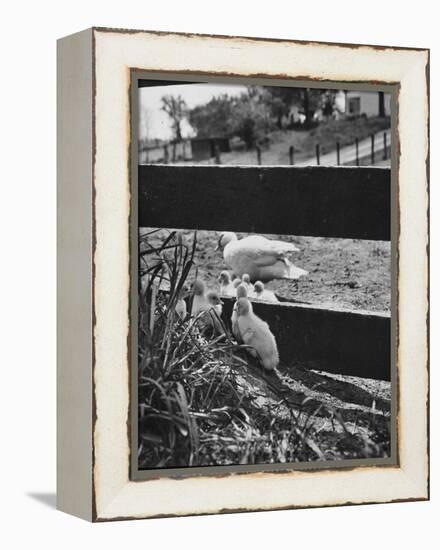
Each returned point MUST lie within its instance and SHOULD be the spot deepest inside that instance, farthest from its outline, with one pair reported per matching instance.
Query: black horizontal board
(341, 342)
(321, 201)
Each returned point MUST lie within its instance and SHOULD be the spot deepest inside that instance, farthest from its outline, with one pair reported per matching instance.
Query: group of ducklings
(252, 258)
(257, 291)
(247, 327)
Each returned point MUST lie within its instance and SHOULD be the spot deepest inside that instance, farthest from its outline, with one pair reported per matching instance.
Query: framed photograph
(242, 273)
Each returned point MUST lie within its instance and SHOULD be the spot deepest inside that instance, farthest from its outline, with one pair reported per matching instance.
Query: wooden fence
(182, 152)
(343, 202)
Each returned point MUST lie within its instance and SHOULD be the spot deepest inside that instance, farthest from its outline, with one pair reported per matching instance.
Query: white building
(365, 103)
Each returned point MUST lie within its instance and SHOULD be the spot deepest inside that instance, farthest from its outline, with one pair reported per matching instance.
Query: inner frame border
(136, 474)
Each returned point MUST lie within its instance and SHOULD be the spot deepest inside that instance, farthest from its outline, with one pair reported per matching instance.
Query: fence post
(317, 154)
(217, 154)
(291, 155)
(174, 151)
(165, 154)
(356, 142)
(338, 153)
(372, 148)
(258, 154)
(184, 150)
(385, 152)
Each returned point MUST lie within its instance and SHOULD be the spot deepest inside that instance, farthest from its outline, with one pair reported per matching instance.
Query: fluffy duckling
(181, 308)
(213, 312)
(260, 293)
(263, 259)
(246, 280)
(200, 301)
(226, 286)
(203, 302)
(256, 334)
(241, 293)
(236, 282)
(214, 301)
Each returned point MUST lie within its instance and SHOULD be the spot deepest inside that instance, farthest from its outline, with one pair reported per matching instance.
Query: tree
(256, 112)
(381, 104)
(328, 103)
(213, 119)
(246, 116)
(311, 100)
(280, 100)
(176, 108)
(252, 120)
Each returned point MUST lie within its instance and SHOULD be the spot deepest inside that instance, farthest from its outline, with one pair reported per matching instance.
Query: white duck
(260, 293)
(226, 286)
(256, 334)
(263, 259)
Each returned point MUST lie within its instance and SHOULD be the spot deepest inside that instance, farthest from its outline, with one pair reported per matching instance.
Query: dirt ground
(350, 417)
(346, 273)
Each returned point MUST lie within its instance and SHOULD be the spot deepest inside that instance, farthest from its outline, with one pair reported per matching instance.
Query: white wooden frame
(94, 276)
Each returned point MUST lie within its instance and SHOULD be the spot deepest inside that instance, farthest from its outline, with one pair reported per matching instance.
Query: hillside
(304, 141)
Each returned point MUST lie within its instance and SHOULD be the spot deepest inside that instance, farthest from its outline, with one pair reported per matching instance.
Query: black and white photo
(263, 328)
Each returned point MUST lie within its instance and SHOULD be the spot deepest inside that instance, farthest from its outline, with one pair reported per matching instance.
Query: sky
(158, 122)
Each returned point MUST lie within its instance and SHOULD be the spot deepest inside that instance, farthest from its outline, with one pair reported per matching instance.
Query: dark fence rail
(345, 202)
(354, 343)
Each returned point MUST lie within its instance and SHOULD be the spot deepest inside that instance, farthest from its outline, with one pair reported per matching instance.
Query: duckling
(200, 301)
(213, 310)
(236, 282)
(181, 308)
(256, 334)
(246, 280)
(263, 259)
(204, 301)
(260, 293)
(226, 287)
(214, 301)
(241, 293)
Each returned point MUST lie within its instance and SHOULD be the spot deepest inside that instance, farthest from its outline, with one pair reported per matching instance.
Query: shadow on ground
(48, 499)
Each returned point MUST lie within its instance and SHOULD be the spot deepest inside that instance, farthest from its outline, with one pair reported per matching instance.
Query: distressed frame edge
(423, 491)
(74, 287)
(350, 45)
